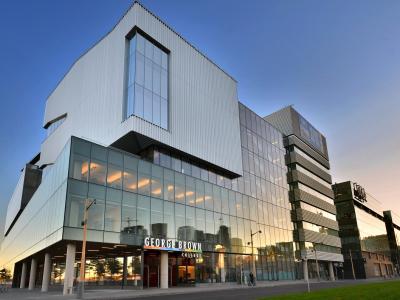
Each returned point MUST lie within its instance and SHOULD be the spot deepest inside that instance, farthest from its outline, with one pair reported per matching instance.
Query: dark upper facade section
(367, 234)
(290, 122)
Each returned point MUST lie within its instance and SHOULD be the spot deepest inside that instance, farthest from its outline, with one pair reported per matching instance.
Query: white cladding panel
(14, 205)
(203, 104)
(40, 223)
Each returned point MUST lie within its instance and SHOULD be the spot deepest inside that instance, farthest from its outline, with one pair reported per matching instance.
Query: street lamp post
(81, 284)
(308, 280)
(316, 261)
(252, 253)
(352, 265)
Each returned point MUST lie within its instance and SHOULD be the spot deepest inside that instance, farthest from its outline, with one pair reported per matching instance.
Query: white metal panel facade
(14, 204)
(203, 104)
(41, 222)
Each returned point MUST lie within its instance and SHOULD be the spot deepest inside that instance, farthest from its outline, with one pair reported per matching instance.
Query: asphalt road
(252, 293)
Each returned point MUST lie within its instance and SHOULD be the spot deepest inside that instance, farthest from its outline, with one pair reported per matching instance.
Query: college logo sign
(359, 192)
(188, 248)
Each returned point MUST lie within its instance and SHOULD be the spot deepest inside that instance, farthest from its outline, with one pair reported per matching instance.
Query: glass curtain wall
(147, 81)
(136, 198)
(373, 236)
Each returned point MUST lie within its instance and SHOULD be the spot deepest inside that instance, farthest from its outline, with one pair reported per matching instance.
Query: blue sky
(337, 62)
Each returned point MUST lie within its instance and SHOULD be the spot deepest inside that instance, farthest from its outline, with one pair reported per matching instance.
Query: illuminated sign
(359, 192)
(172, 245)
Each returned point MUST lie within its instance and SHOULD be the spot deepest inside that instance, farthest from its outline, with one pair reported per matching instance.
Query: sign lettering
(172, 245)
(359, 192)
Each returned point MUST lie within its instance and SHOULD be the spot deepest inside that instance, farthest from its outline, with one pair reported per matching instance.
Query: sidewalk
(113, 294)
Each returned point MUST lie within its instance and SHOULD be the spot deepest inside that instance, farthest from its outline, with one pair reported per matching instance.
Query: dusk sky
(337, 62)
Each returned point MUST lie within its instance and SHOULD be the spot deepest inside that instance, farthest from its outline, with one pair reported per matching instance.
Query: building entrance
(181, 270)
(151, 270)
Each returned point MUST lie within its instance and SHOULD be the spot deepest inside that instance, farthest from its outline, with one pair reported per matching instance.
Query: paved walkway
(201, 291)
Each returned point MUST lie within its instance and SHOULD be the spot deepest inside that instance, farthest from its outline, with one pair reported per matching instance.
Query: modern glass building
(392, 221)
(368, 235)
(316, 233)
(182, 184)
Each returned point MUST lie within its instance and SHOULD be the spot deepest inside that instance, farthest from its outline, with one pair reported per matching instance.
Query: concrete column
(221, 265)
(331, 273)
(305, 270)
(69, 269)
(125, 272)
(32, 274)
(23, 275)
(46, 272)
(164, 270)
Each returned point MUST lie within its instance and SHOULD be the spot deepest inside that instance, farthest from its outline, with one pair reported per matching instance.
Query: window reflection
(373, 235)
(129, 220)
(179, 188)
(190, 191)
(156, 200)
(97, 171)
(157, 182)
(319, 229)
(143, 215)
(113, 210)
(147, 82)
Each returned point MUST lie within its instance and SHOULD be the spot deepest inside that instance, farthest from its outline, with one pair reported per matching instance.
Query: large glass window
(144, 177)
(129, 220)
(373, 234)
(200, 223)
(147, 82)
(98, 165)
(113, 210)
(55, 124)
(130, 173)
(140, 198)
(208, 198)
(76, 207)
(96, 211)
(199, 193)
(310, 159)
(158, 228)
(143, 214)
(314, 193)
(190, 191)
(317, 211)
(319, 229)
(179, 188)
(180, 221)
(80, 160)
(312, 135)
(114, 172)
(169, 185)
(156, 181)
(169, 218)
(313, 176)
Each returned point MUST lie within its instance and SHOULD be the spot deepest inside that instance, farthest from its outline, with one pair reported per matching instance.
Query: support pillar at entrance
(23, 275)
(125, 272)
(164, 270)
(69, 269)
(305, 270)
(32, 274)
(331, 273)
(46, 272)
(221, 264)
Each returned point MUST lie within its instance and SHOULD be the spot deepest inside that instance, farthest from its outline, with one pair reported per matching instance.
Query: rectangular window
(129, 220)
(169, 218)
(158, 228)
(147, 82)
(113, 210)
(55, 124)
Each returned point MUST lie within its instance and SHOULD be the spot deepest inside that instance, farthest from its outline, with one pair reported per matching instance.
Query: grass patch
(370, 291)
